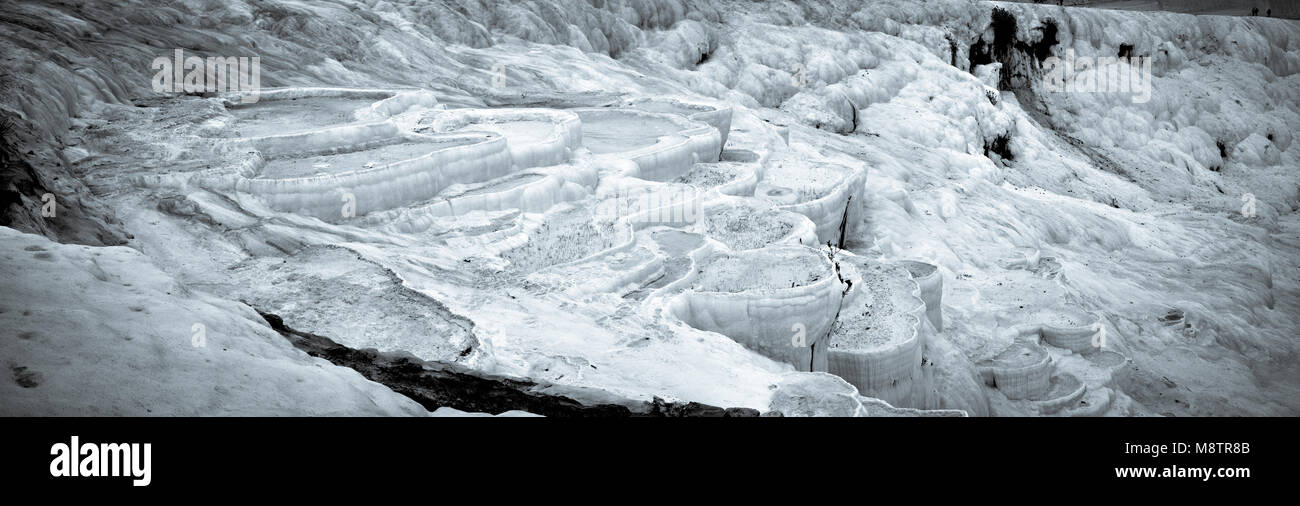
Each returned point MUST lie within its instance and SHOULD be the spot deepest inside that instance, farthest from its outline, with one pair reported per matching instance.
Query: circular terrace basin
(717, 116)
(527, 131)
(620, 270)
(565, 234)
(829, 194)
(675, 247)
(874, 343)
(1021, 371)
(1063, 390)
(728, 273)
(869, 328)
(537, 137)
(789, 184)
(1019, 354)
(397, 150)
(1071, 328)
(786, 182)
(710, 175)
(1062, 318)
(661, 147)
(606, 131)
(919, 270)
(778, 301)
(1115, 363)
(727, 177)
(669, 105)
(1062, 385)
(880, 318)
(272, 115)
(742, 226)
(930, 280)
(400, 171)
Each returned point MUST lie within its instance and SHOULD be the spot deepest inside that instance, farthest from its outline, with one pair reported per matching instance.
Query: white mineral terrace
(877, 338)
(815, 208)
(636, 200)
(742, 225)
(640, 200)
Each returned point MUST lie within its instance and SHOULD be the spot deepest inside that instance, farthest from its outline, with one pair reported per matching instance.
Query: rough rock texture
(438, 385)
(101, 331)
(1134, 209)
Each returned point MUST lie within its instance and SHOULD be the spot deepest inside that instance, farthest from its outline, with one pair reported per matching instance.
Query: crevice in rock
(1125, 51)
(952, 49)
(1021, 60)
(844, 221)
(439, 384)
(1001, 146)
(855, 115)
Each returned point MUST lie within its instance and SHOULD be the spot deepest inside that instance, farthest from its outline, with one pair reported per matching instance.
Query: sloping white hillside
(102, 332)
(532, 210)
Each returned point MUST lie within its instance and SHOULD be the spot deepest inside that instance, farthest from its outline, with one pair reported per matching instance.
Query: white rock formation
(878, 337)
(1140, 248)
(101, 331)
(779, 301)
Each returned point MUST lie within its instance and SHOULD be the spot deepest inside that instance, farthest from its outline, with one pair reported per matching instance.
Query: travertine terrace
(833, 208)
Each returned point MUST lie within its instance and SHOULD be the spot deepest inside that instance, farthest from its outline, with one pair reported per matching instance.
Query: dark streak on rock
(438, 384)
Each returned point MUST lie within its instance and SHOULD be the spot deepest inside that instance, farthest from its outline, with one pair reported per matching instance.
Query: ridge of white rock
(929, 279)
(143, 344)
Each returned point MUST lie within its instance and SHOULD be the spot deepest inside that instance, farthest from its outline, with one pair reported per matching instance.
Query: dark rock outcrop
(439, 384)
(31, 169)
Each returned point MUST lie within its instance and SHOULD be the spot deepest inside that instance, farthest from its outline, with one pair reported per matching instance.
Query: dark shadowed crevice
(1021, 60)
(1043, 48)
(844, 222)
(1004, 31)
(980, 54)
(1001, 145)
(439, 384)
(952, 49)
(1125, 51)
(854, 107)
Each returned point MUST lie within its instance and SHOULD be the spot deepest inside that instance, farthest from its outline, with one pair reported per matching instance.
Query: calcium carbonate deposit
(813, 208)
